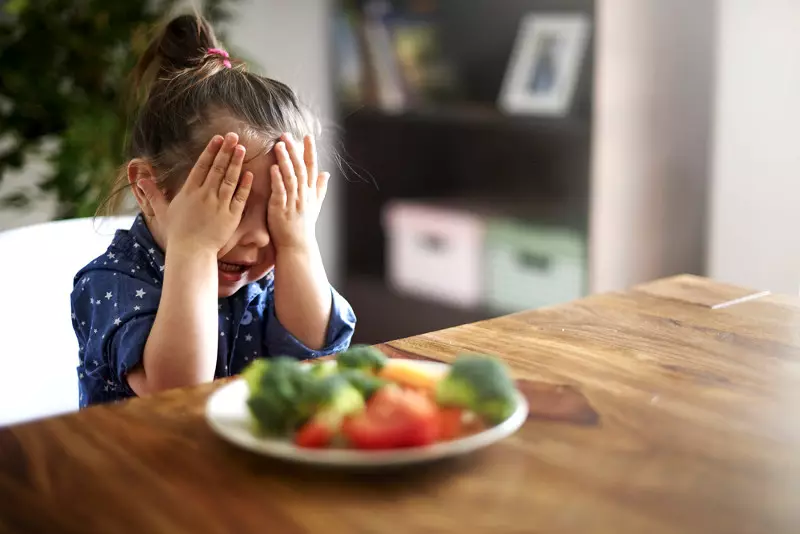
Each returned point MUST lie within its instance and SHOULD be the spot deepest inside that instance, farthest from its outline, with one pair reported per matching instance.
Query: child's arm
(182, 346)
(302, 291)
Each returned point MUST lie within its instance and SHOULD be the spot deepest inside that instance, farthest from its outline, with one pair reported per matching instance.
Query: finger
(310, 157)
(296, 157)
(322, 187)
(278, 196)
(287, 172)
(221, 162)
(154, 197)
(228, 186)
(200, 170)
(242, 193)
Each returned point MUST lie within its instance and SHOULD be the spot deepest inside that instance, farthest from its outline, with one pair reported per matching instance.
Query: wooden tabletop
(671, 408)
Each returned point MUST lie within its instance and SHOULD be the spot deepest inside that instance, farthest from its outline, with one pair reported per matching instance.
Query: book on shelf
(390, 60)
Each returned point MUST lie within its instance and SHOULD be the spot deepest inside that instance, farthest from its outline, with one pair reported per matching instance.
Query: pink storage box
(435, 252)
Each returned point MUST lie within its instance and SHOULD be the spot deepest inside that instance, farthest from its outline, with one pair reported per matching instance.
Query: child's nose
(256, 235)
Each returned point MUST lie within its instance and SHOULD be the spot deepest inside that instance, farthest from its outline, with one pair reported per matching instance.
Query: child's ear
(140, 169)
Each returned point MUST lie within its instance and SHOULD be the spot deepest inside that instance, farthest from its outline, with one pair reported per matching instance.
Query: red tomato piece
(394, 418)
(313, 434)
(450, 423)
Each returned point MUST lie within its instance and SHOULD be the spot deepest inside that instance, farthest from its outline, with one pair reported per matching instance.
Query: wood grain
(694, 431)
(695, 290)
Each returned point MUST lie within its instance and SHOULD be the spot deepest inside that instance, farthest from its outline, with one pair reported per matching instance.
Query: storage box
(530, 267)
(435, 252)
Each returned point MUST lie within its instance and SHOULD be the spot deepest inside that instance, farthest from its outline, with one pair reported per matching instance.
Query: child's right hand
(208, 208)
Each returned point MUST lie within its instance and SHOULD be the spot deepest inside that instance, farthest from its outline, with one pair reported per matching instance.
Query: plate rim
(285, 450)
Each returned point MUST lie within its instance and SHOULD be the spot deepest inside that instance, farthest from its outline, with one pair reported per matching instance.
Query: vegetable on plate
(364, 400)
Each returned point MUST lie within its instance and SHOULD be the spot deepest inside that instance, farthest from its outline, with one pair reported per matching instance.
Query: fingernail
(281, 145)
(288, 136)
(231, 137)
(240, 149)
(216, 140)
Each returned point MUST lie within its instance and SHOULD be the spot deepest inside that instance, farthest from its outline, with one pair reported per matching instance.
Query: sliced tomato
(450, 423)
(394, 418)
(314, 434)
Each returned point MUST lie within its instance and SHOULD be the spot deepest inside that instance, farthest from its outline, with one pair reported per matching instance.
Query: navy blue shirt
(114, 304)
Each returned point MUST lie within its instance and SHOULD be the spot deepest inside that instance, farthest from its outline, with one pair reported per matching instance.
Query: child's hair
(183, 85)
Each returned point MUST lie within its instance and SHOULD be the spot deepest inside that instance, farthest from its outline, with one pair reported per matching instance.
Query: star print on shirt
(108, 295)
(140, 293)
(137, 308)
(136, 245)
(91, 300)
(248, 337)
(111, 255)
(117, 322)
(151, 250)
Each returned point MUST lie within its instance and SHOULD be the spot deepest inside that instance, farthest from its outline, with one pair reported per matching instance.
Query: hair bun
(184, 42)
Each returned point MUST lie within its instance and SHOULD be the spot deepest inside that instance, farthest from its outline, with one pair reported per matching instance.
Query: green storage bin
(533, 266)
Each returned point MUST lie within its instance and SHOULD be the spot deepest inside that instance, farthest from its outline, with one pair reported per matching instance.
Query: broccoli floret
(366, 384)
(362, 357)
(331, 394)
(480, 384)
(320, 369)
(276, 387)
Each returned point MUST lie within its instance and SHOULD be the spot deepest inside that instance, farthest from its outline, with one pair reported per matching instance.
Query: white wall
(288, 40)
(654, 63)
(756, 179)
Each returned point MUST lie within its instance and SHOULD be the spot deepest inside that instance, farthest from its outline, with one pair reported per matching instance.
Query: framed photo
(545, 64)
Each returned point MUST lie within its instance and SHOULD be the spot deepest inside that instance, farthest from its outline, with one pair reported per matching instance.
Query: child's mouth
(231, 271)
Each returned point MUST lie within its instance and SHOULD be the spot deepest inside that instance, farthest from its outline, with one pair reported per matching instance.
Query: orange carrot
(410, 375)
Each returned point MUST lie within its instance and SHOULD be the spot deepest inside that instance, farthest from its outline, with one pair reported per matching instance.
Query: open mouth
(231, 267)
(232, 272)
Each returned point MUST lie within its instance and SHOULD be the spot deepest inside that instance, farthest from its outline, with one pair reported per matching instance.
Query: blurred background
(489, 156)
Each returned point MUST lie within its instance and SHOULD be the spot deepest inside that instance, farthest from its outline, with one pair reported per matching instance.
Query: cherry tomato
(313, 434)
(450, 423)
(394, 418)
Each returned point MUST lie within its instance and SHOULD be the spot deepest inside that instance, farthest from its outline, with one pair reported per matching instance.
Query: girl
(222, 264)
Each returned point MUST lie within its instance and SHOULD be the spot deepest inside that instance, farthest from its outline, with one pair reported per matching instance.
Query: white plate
(228, 416)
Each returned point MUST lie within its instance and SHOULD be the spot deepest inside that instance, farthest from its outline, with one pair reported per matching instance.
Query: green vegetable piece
(481, 384)
(363, 357)
(366, 384)
(331, 394)
(254, 373)
(321, 369)
(276, 389)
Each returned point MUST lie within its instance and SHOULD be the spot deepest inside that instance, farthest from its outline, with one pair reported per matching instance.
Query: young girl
(222, 264)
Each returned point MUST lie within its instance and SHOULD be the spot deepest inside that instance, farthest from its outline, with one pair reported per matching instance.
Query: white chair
(38, 348)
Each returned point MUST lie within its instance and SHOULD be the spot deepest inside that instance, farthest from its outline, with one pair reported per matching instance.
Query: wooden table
(671, 408)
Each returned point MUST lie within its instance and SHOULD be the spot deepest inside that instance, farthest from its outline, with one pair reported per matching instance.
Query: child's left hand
(298, 190)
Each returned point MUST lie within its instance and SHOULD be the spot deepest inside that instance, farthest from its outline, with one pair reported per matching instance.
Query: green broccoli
(366, 384)
(332, 393)
(276, 387)
(362, 357)
(320, 369)
(480, 384)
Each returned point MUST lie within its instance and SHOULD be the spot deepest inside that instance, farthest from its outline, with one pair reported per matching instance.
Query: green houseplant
(64, 85)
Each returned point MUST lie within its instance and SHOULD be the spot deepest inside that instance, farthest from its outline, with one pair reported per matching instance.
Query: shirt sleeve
(342, 323)
(114, 314)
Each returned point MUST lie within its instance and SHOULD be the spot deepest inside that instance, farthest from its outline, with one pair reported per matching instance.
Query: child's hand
(298, 189)
(206, 211)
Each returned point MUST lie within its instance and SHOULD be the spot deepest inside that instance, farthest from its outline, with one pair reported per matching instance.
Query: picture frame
(545, 64)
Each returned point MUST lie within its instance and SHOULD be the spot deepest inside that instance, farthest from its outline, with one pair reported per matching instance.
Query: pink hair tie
(222, 53)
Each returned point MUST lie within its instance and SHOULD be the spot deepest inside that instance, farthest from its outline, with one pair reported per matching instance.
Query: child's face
(249, 253)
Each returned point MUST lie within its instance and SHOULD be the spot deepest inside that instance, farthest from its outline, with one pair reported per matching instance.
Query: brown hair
(181, 88)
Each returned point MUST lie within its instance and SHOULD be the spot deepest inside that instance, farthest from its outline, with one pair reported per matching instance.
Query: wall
(288, 40)
(653, 89)
(756, 178)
